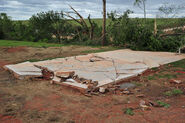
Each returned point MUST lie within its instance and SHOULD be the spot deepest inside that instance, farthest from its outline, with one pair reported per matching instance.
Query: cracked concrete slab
(105, 67)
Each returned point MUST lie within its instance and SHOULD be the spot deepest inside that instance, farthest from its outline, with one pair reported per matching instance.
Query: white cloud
(24, 9)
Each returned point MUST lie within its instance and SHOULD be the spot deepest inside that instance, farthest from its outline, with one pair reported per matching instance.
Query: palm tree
(141, 4)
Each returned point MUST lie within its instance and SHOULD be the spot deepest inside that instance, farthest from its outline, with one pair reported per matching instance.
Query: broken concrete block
(174, 81)
(102, 90)
(65, 75)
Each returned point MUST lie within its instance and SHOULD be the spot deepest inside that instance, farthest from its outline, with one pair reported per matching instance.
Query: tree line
(122, 31)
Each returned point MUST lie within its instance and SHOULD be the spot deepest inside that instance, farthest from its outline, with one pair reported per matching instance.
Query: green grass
(167, 76)
(163, 104)
(151, 78)
(173, 92)
(101, 50)
(161, 75)
(11, 43)
(128, 111)
(180, 64)
(98, 21)
(161, 22)
(36, 60)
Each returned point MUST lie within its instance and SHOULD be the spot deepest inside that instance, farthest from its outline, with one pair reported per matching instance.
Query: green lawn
(12, 43)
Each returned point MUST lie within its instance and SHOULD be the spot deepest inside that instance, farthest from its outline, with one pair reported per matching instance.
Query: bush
(45, 40)
(137, 34)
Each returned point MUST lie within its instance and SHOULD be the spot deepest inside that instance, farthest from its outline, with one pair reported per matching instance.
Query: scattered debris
(126, 92)
(143, 105)
(102, 90)
(140, 95)
(174, 81)
(46, 73)
(65, 75)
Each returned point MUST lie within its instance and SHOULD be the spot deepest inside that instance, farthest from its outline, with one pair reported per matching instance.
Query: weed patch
(129, 111)
(180, 64)
(151, 78)
(163, 104)
(173, 92)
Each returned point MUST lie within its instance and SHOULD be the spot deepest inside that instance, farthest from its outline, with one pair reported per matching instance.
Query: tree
(141, 4)
(170, 10)
(1, 30)
(46, 24)
(20, 31)
(104, 24)
(6, 26)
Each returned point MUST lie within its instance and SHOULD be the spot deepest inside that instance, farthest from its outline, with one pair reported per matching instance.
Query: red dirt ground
(95, 112)
(2, 63)
(16, 49)
(31, 101)
(9, 119)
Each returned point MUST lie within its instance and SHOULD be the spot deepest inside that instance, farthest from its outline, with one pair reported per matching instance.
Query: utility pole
(104, 24)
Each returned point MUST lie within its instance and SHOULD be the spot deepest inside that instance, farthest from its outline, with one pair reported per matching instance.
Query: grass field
(161, 22)
(12, 43)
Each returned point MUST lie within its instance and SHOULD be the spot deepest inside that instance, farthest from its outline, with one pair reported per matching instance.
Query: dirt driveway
(33, 101)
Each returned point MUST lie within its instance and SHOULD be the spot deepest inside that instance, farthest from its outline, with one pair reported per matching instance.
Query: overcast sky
(24, 9)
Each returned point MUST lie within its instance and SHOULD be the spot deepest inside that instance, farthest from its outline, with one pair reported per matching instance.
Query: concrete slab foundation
(105, 67)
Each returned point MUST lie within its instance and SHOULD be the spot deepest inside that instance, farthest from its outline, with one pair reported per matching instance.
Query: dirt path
(32, 101)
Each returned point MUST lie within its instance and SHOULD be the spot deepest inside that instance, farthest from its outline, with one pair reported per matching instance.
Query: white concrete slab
(126, 63)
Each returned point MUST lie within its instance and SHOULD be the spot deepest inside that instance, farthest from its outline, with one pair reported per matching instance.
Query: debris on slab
(93, 72)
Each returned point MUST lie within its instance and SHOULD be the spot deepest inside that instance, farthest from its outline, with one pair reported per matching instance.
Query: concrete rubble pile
(93, 71)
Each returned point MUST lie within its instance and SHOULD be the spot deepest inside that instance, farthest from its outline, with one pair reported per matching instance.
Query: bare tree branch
(67, 14)
(81, 18)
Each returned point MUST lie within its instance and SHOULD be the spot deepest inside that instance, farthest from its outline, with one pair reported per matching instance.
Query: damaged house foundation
(93, 70)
